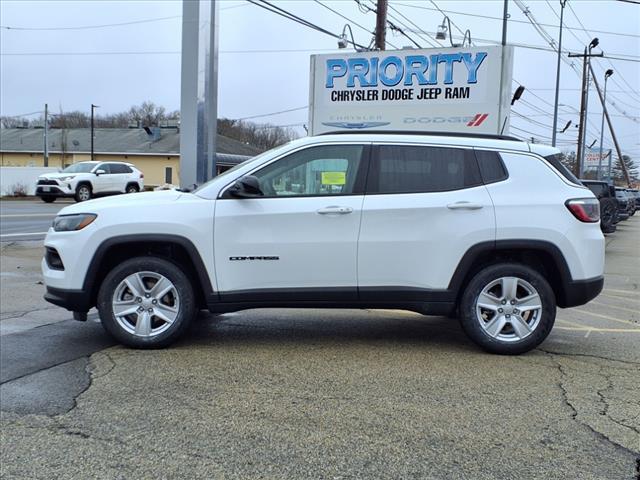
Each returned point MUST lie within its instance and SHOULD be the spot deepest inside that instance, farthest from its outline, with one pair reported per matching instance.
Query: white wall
(28, 176)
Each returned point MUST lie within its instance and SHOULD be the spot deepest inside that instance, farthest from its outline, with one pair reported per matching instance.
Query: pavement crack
(574, 410)
(626, 362)
(19, 314)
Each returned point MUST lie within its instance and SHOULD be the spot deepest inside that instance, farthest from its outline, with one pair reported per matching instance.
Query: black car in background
(608, 205)
(636, 195)
(631, 200)
(623, 204)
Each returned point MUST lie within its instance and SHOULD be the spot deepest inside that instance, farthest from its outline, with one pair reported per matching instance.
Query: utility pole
(613, 134)
(607, 74)
(46, 134)
(555, 105)
(582, 131)
(505, 17)
(92, 129)
(381, 25)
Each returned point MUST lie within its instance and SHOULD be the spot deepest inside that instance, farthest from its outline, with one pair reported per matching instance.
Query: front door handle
(334, 210)
(464, 206)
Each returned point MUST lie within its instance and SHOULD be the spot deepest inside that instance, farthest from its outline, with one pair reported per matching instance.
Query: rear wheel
(132, 188)
(48, 198)
(508, 309)
(607, 215)
(146, 302)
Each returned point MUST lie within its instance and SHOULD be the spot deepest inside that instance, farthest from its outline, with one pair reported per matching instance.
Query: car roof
(491, 142)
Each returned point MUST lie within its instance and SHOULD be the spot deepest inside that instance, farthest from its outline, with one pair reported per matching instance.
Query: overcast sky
(264, 58)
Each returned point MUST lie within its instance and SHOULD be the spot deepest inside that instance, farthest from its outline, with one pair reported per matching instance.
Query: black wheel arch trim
(573, 292)
(203, 275)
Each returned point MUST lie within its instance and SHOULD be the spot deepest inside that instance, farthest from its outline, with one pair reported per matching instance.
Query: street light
(607, 74)
(343, 41)
(93, 107)
(555, 105)
(441, 33)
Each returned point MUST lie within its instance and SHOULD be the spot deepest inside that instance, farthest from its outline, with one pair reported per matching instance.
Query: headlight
(69, 223)
(64, 179)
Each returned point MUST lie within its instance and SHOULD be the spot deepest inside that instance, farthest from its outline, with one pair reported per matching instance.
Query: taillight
(584, 209)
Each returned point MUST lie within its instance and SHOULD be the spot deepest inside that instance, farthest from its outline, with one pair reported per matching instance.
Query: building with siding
(155, 151)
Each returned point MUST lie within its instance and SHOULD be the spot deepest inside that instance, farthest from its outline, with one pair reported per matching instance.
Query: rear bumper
(579, 292)
(74, 300)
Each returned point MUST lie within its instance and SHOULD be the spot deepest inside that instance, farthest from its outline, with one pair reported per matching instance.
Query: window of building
(322, 170)
(168, 175)
(417, 169)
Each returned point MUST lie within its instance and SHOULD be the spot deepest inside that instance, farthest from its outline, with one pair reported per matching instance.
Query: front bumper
(74, 300)
(53, 191)
(579, 292)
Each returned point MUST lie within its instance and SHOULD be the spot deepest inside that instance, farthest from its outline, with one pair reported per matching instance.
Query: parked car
(635, 195)
(626, 205)
(85, 180)
(495, 229)
(608, 203)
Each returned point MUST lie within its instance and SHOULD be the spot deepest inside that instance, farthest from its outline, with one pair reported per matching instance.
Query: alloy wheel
(145, 304)
(509, 309)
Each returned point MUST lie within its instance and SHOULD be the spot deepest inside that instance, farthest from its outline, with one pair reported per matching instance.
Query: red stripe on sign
(482, 118)
(473, 120)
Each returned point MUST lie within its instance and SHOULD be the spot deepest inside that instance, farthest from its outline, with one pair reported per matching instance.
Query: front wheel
(508, 309)
(83, 193)
(146, 302)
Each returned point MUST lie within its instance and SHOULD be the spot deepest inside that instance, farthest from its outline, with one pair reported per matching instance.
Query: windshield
(82, 167)
(243, 164)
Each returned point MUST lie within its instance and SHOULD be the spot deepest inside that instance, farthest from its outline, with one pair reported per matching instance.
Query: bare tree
(148, 114)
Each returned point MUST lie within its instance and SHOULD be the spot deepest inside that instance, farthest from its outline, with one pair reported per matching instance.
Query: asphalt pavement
(27, 219)
(320, 393)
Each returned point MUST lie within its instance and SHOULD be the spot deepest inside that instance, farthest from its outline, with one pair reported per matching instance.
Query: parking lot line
(615, 306)
(618, 297)
(578, 327)
(607, 317)
(621, 291)
(13, 235)
(21, 215)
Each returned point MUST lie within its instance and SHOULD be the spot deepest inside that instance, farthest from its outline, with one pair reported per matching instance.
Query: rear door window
(422, 169)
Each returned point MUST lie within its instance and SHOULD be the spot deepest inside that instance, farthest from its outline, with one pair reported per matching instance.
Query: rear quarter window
(491, 167)
(555, 162)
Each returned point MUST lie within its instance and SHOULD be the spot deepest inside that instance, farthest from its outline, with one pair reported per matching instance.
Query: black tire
(607, 214)
(187, 309)
(83, 192)
(132, 188)
(48, 198)
(471, 323)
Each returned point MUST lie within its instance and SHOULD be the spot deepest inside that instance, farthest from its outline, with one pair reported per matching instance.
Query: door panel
(415, 240)
(102, 183)
(300, 238)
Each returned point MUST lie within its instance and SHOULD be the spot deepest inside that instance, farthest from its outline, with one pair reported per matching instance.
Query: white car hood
(131, 200)
(54, 175)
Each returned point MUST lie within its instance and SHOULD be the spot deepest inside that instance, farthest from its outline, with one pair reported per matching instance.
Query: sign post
(445, 90)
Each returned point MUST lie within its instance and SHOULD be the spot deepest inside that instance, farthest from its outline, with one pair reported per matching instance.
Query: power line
(106, 25)
(510, 20)
(273, 113)
(292, 50)
(346, 18)
(290, 16)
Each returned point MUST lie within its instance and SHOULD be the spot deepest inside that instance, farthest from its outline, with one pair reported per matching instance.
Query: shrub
(18, 190)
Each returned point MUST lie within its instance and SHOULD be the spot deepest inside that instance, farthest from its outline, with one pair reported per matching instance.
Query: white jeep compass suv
(492, 230)
(85, 180)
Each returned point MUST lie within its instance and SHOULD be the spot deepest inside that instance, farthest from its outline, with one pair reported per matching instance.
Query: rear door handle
(334, 210)
(464, 206)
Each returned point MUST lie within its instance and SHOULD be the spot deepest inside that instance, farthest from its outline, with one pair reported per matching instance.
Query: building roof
(134, 141)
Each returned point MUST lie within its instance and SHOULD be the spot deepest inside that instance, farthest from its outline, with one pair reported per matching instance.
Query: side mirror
(246, 187)
(100, 172)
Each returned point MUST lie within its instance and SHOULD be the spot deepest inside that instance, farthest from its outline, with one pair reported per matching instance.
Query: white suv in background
(85, 180)
(492, 230)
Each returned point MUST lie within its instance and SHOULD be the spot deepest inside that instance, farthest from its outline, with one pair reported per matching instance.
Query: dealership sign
(592, 157)
(448, 89)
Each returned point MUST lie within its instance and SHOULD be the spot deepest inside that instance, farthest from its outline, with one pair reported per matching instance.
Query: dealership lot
(319, 394)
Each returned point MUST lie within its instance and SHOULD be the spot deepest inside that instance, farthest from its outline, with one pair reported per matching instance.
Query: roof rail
(490, 136)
